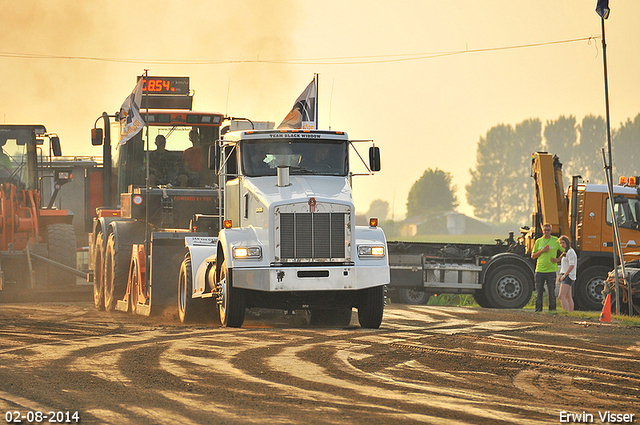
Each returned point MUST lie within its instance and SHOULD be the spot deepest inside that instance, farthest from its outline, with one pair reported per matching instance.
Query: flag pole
(146, 124)
(317, 78)
(145, 101)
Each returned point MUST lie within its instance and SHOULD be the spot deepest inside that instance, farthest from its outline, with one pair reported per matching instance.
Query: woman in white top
(567, 273)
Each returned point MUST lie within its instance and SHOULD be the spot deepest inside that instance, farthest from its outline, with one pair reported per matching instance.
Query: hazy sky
(423, 79)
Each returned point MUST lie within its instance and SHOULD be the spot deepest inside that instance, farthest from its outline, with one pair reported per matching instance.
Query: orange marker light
(623, 180)
(227, 224)
(633, 181)
(373, 222)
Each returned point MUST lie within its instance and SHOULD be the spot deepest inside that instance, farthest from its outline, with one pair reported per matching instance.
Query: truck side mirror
(96, 136)
(55, 146)
(374, 158)
(621, 200)
(213, 157)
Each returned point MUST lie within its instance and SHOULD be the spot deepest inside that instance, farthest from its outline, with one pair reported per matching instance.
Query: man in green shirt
(545, 251)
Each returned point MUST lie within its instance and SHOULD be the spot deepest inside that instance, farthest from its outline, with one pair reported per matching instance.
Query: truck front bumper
(317, 278)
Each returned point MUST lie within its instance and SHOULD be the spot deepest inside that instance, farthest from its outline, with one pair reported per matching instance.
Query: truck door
(591, 228)
(232, 185)
(626, 214)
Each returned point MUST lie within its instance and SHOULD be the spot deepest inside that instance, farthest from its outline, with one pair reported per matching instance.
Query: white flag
(303, 113)
(130, 112)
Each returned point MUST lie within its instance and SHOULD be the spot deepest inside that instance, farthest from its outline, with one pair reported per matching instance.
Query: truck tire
(187, 305)
(624, 306)
(324, 317)
(135, 286)
(116, 272)
(98, 283)
(371, 307)
(61, 244)
(481, 299)
(230, 300)
(588, 287)
(508, 287)
(412, 296)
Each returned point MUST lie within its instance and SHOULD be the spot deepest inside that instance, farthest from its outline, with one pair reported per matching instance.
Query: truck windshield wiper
(304, 169)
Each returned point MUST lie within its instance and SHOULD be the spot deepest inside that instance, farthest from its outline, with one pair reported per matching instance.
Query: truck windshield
(627, 213)
(177, 157)
(262, 157)
(13, 162)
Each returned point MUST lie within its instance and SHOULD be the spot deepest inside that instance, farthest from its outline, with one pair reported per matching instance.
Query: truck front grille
(312, 236)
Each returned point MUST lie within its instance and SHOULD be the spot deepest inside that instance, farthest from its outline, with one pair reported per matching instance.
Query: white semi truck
(288, 238)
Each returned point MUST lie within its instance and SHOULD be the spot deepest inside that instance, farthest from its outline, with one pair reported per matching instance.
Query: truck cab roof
(618, 190)
(235, 136)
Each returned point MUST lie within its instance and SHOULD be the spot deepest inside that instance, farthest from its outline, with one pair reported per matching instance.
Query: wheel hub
(221, 289)
(594, 289)
(414, 295)
(509, 287)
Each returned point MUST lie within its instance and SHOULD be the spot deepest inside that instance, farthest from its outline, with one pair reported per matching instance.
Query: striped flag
(130, 114)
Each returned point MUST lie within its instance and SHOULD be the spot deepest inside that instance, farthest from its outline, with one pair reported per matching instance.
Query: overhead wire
(345, 60)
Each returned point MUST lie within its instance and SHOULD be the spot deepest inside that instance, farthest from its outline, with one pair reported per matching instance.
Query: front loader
(37, 241)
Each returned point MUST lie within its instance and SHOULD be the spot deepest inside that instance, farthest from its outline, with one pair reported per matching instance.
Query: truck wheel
(61, 244)
(588, 288)
(186, 304)
(98, 287)
(230, 300)
(412, 296)
(116, 272)
(343, 316)
(371, 307)
(624, 306)
(481, 299)
(325, 317)
(509, 287)
(135, 287)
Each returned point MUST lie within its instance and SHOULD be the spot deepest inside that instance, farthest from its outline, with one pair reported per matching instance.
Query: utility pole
(602, 9)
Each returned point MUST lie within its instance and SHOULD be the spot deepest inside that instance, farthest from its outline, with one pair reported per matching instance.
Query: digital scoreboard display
(165, 85)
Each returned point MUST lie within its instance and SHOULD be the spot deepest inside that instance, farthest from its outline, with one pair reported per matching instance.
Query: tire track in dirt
(423, 365)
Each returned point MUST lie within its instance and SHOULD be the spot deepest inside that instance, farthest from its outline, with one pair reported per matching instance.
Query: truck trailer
(502, 275)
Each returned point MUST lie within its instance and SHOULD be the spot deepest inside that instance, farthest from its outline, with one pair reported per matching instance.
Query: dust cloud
(65, 62)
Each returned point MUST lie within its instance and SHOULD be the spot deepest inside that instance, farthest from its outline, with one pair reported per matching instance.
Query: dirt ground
(425, 364)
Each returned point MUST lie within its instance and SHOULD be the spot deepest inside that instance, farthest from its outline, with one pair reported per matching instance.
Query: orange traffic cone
(605, 316)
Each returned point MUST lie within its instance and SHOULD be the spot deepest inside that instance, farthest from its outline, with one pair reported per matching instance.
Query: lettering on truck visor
(263, 136)
(294, 136)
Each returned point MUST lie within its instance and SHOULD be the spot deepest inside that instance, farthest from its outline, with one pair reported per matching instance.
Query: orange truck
(136, 242)
(584, 214)
(502, 275)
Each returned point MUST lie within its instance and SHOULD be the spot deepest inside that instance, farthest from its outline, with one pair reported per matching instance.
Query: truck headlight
(248, 252)
(375, 251)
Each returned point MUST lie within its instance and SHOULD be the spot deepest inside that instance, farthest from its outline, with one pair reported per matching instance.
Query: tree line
(501, 187)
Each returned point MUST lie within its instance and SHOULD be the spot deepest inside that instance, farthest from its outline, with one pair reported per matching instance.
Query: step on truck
(288, 238)
(502, 275)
